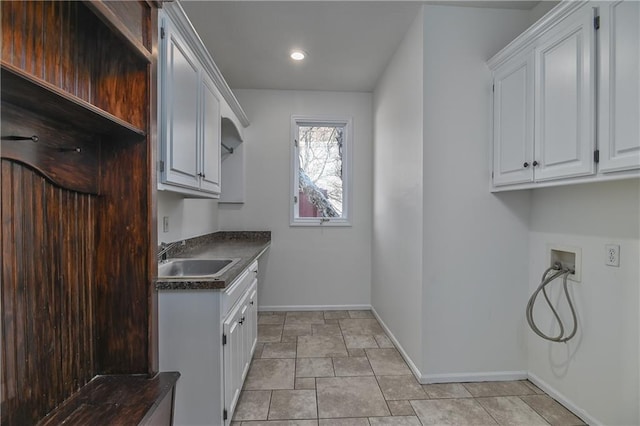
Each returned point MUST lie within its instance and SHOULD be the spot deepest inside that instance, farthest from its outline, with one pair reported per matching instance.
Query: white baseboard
(281, 308)
(412, 365)
(568, 404)
(489, 376)
(448, 378)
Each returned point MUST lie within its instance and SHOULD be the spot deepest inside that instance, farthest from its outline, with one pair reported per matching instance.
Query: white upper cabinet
(546, 127)
(180, 111)
(210, 164)
(565, 101)
(619, 124)
(513, 121)
(193, 97)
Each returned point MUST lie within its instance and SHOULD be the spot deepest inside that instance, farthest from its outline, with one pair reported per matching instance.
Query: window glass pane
(320, 184)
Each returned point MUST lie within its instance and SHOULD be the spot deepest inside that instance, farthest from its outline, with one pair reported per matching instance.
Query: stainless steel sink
(184, 268)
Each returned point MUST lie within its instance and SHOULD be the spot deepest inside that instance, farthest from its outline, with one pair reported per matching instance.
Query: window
(320, 180)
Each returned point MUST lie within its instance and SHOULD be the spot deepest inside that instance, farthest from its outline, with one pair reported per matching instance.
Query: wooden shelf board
(119, 399)
(32, 93)
(113, 22)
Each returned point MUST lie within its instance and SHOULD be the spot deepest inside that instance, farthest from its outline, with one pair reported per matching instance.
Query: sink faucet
(164, 249)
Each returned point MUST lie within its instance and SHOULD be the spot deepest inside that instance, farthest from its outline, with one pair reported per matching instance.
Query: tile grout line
(534, 409)
(269, 408)
(485, 410)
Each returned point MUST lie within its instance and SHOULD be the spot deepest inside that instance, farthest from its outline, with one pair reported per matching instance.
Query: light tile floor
(338, 368)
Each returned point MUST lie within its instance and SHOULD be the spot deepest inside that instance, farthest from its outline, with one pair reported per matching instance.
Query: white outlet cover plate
(616, 258)
(577, 277)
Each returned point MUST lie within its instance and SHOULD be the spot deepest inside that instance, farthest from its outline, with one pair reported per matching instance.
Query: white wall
(306, 265)
(187, 217)
(541, 9)
(597, 371)
(475, 253)
(396, 285)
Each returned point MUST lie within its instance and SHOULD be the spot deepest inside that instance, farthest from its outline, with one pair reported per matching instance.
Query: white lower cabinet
(240, 334)
(209, 336)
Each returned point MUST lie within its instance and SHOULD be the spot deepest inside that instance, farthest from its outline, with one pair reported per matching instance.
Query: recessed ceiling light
(298, 55)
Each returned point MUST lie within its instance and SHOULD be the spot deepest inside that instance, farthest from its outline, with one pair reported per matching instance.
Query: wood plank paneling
(51, 55)
(135, 17)
(124, 284)
(6, 20)
(122, 97)
(48, 287)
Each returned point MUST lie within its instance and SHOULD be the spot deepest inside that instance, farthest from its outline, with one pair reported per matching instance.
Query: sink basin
(182, 268)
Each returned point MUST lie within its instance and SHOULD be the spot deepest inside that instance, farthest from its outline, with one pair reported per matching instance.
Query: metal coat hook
(76, 149)
(33, 138)
(230, 150)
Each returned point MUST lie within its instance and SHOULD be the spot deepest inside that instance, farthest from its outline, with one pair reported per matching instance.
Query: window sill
(318, 223)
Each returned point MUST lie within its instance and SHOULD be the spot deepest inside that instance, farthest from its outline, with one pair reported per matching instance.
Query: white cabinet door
(619, 131)
(513, 104)
(252, 317)
(565, 99)
(180, 100)
(210, 161)
(235, 355)
(250, 324)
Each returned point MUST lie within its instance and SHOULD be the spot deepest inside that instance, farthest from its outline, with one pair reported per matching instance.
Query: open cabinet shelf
(38, 96)
(118, 26)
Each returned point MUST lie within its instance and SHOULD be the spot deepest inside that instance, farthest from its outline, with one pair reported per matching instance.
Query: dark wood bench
(119, 400)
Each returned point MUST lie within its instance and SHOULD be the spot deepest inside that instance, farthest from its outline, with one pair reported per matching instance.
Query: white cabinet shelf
(209, 336)
(544, 102)
(233, 163)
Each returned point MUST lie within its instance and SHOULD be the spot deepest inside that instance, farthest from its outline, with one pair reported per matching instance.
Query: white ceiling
(348, 42)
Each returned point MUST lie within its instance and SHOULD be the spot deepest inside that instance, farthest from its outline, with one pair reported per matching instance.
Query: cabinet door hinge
(596, 22)
(224, 414)
(493, 87)
(295, 199)
(596, 156)
(224, 339)
(161, 32)
(161, 166)
(295, 142)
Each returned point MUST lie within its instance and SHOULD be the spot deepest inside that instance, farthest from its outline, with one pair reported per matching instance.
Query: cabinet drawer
(238, 287)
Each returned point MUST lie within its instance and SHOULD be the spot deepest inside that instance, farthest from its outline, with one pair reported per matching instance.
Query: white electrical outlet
(612, 255)
(165, 224)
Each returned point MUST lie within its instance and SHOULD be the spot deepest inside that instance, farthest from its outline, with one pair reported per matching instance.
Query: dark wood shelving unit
(78, 214)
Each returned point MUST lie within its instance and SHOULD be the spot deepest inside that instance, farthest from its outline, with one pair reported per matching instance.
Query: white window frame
(315, 120)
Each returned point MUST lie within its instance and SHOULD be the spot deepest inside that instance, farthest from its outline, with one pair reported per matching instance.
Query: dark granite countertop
(245, 245)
